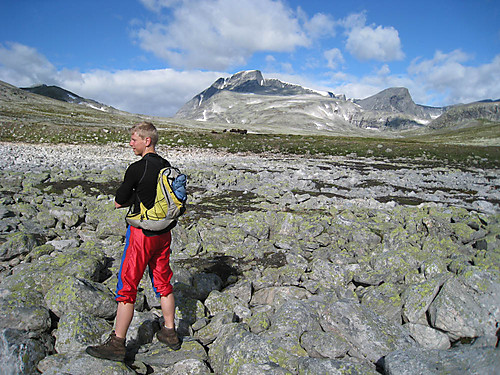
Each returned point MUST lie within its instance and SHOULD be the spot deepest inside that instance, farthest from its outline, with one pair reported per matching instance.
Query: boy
(142, 248)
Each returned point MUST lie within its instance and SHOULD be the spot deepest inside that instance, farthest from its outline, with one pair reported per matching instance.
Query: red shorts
(141, 251)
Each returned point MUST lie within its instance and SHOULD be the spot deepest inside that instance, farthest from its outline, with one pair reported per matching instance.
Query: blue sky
(152, 56)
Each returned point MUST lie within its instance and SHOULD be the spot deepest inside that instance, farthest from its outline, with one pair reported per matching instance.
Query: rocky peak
(240, 79)
(396, 100)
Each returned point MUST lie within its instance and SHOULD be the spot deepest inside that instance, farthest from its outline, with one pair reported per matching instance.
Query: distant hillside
(63, 95)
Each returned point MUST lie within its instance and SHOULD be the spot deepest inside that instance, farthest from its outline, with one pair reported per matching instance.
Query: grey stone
(190, 366)
(80, 363)
(235, 346)
(204, 283)
(463, 360)
(262, 369)
(158, 354)
(210, 332)
(321, 366)
(418, 298)
(81, 295)
(17, 244)
(275, 296)
(19, 354)
(77, 330)
(319, 344)
(372, 335)
(428, 337)
(456, 311)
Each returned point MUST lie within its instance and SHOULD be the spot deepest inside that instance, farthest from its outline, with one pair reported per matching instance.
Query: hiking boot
(169, 336)
(112, 349)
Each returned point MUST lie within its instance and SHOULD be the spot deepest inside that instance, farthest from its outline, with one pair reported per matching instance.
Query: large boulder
(462, 360)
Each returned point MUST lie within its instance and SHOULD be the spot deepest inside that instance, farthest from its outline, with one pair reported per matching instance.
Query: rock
(318, 366)
(283, 265)
(428, 337)
(235, 346)
(19, 353)
(80, 295)
(159, 355)
(17, 244)
(204, 283)
(217, 302)
(319, 344)
(77, 330)
(189, 366)
(417, 298)
(262, 368)
(456, 311)
(210, 332)
(24, 310)
(385, 300)
(82, 364)
(463, 360)
(372, 335)
(275, 296)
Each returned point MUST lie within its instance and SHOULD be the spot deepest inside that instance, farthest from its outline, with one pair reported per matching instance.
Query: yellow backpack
(170, 202)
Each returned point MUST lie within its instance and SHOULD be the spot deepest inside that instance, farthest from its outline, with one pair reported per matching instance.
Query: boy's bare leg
(168, 309)
(124, 315)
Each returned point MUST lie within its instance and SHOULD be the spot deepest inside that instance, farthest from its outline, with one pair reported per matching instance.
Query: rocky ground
(282, 265)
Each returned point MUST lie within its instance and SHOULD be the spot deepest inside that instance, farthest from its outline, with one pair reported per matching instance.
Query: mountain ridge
(248, 99)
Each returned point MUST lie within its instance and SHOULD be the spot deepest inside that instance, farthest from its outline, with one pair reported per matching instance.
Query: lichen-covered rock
(19, 353)
(17, 244)
(77, 330)
(372, 335)
(80, 363)
(74, 294)
(275, 296)
(190, 366)
(42, 275)
(320, 344)
(24, 309)
(319, 366)
(428, 337)
(384, 300)
(159, 355)
(417, 298)
(235, 346)
(210, 332)
(204, 283)
(456, 310)
(217, 302)
(462, 360)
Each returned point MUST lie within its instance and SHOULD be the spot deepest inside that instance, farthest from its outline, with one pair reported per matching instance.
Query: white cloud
(334, 57)
(370, 42)
(320, 25)
(152, 92)
(217, 34)
(21, 65)
(375, 43)
(158, 5)
(447, 80)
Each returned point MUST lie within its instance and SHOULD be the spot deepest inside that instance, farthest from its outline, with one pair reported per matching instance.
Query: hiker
(142, 248)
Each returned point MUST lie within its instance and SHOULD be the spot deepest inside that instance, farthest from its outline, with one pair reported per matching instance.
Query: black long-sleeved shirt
(140, 182)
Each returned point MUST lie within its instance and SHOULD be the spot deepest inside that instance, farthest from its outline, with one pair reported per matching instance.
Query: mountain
(397, 100)
(248, 99)
(63, 95)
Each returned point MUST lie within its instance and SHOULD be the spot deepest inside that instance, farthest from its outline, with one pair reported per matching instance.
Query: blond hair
(145, 130)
